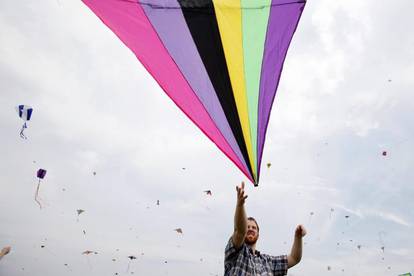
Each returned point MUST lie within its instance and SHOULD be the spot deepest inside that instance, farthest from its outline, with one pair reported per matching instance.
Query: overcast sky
(345, 96)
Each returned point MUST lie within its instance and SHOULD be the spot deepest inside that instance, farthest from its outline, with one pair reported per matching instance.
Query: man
(4, 251)
(241, 256)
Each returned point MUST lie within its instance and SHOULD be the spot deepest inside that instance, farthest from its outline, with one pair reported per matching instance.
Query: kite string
(37, 194)
(89, 263)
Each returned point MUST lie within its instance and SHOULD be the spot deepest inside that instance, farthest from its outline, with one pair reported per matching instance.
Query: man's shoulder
(230, 245)
(232, 252)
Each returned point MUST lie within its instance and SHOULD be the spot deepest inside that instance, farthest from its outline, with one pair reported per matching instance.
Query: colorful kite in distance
(221, 64)
(41, 173)
(25, 113)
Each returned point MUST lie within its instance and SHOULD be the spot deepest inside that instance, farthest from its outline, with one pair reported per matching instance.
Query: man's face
(252, 233)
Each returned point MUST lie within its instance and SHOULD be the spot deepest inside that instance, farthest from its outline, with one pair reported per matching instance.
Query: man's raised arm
(240, 219)
(296, 253)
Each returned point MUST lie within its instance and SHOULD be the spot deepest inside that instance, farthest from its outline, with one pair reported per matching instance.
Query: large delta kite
(219, 61)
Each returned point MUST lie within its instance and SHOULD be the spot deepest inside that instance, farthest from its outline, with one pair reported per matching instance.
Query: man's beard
(251, 241)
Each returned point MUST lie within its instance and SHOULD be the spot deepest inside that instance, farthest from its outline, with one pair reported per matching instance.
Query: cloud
(390, 217)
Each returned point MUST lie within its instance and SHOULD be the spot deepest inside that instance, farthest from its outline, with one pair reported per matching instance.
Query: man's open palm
(240, 194)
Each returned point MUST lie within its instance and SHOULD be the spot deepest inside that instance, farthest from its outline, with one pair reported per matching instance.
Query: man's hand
(240, 194)
(300, 231)
(5, 250)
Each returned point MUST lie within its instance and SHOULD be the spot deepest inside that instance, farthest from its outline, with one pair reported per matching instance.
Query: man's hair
(253, 219)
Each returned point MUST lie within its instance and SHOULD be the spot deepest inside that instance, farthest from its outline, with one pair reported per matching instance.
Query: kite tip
(255, 181)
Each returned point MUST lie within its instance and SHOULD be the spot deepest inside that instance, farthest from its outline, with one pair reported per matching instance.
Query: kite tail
(37, 194)
(128, 265)
(89, 262)
(21, 131)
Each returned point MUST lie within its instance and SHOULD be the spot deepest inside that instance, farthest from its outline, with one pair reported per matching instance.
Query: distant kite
(310, 216)
(220, 62)
(79, 212)
(87, 252)
(41, 173)
(208, 192)
(130, 259)
(25, 113)
(330, 214)
(178, 230)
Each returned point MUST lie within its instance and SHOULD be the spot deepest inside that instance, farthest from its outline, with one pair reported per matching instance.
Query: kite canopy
(41, 173)
(220, 61)
(25, 113)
